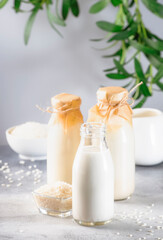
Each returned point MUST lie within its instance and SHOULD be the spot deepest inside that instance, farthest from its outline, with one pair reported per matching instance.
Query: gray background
(32, 74)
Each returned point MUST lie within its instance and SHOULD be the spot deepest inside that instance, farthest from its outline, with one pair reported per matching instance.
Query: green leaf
(154, 60)
(116, 2)
(128, 14)
(158, 45)
(117, 53)
(58, 21)
(121, 68)
(29, 25)
(108, 27)
(17, 4)
(154, 7)
(74, 7)
(109, 69)
(151, 35)
(139, 70)
(124, 34)
(141, 76)
(148, 70)
(99, 6)
(96, 40)
(65, 8)
(143, 48)
(159, 74)
(56, 9)
(160, 85)
(3, 3)
(131, 3)
(117, 76)
(141, 103)
(51, 19)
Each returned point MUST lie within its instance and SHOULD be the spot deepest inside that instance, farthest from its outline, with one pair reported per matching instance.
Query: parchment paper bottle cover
(113, 110)
(93, 178)
(63, 137)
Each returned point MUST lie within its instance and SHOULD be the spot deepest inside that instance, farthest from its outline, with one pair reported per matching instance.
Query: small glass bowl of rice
(54, 200)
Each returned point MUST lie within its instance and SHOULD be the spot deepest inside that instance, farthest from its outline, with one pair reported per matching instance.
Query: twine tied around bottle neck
(122, 102)
(52, 109)
(108, 108)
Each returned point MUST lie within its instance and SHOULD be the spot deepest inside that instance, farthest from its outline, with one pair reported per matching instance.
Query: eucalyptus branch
(53, 18)
(134, 35)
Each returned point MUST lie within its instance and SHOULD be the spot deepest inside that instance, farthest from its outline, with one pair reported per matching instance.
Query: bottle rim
(93, 128)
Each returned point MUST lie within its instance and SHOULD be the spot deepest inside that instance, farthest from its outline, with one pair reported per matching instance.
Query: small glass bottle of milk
(93, 178)
(113, 109)
(63, 137)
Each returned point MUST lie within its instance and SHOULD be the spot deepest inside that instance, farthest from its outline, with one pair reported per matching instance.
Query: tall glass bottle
(113, 110)
(93, 178)
(63, 137)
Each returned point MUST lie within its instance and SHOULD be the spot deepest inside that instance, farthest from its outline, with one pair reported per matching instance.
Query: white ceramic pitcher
(148, 130)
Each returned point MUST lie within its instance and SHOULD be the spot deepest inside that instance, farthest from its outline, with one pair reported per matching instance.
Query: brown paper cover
(112, 107)
(66, 108)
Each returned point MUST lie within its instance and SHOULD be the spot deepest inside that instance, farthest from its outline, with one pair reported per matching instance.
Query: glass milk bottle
(93, 178)
(63, 137)
(113, 110)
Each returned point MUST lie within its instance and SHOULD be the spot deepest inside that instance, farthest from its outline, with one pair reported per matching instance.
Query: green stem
(137, 90)
(120, 18)
(151, 80)
(141, 27)
(110, 46)
(144, 30)
(123, 52)
(139, 56)
(107, 35)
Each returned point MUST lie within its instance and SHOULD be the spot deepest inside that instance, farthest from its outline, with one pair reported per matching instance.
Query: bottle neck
(93, 135)
(97, 142)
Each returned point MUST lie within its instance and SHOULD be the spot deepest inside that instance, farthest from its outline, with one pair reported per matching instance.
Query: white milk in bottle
(93, 178)
(63, 137)
(113, 110)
